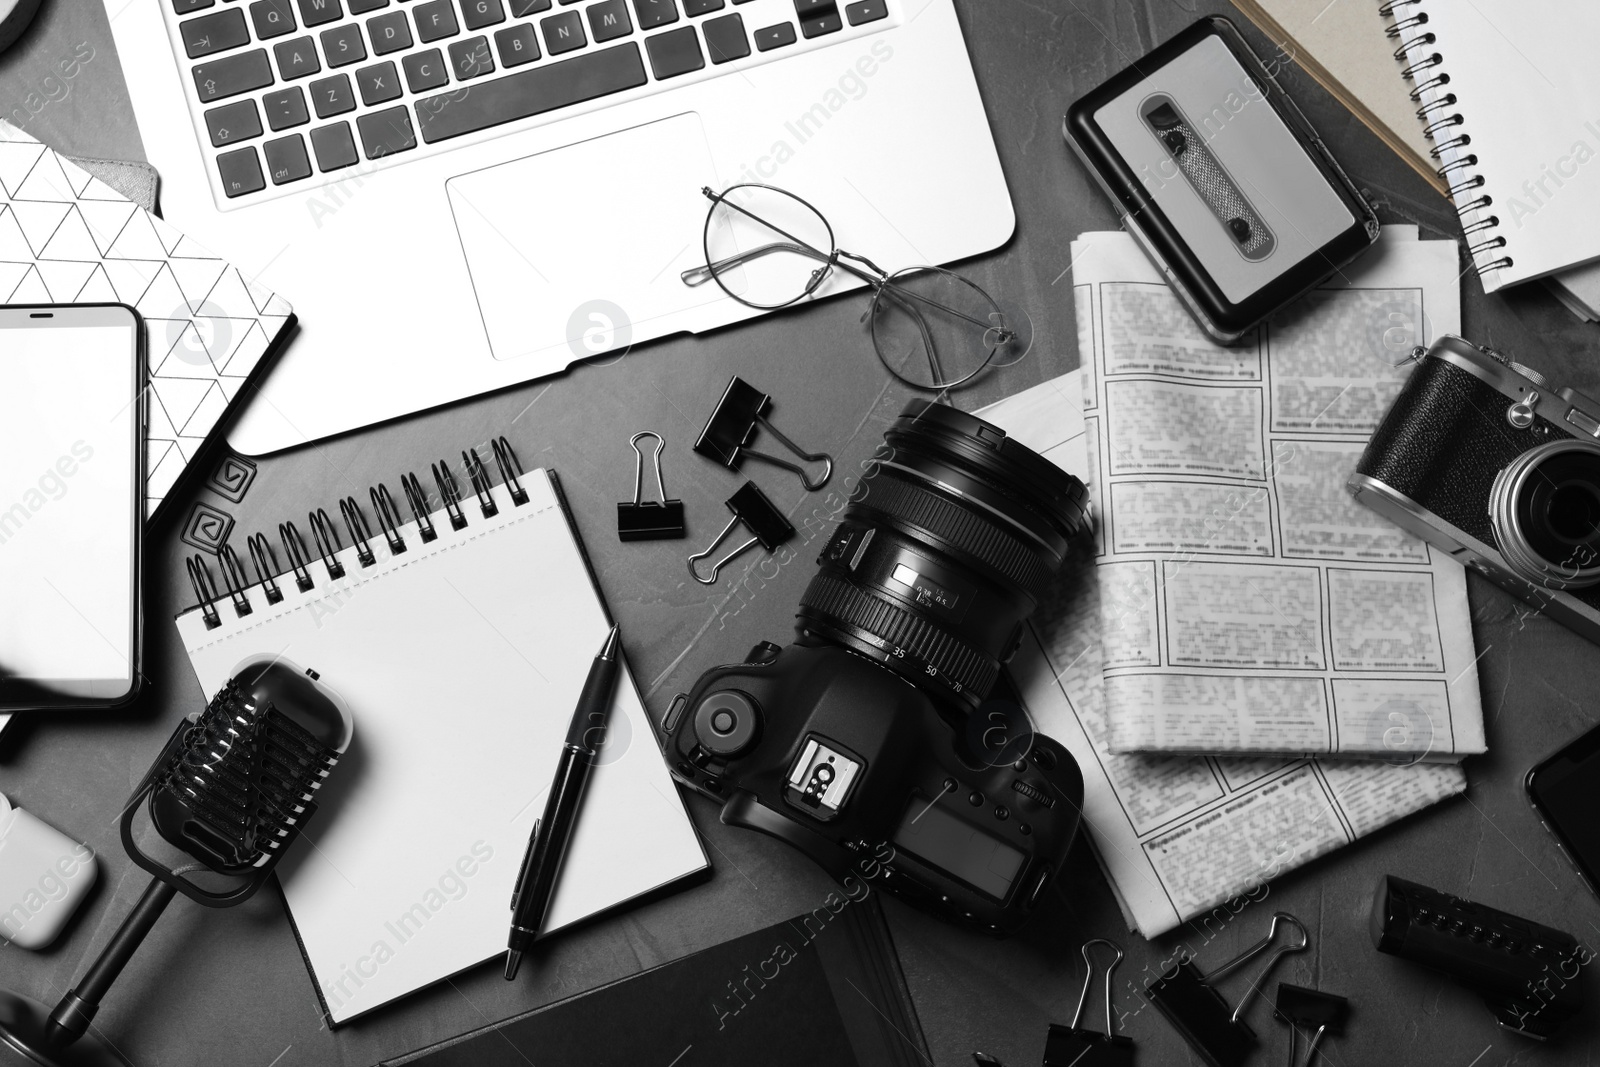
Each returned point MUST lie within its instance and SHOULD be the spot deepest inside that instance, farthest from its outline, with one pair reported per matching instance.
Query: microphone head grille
(240, 785)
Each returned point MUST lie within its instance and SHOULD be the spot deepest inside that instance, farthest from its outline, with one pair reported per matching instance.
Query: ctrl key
(287, 160)
(241, 172)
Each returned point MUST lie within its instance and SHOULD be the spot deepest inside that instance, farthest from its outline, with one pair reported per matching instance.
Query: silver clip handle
(1255, 950)
(1088, 980)
(638, 466)
(716, 568)
(810, 457)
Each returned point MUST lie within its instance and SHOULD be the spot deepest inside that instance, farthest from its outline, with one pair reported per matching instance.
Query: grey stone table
(230, 987)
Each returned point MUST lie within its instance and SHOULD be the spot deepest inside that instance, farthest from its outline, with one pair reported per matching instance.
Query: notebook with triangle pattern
(211, 333)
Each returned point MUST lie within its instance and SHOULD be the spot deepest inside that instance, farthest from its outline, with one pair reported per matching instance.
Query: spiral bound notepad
(460, 637)
(1509, 93)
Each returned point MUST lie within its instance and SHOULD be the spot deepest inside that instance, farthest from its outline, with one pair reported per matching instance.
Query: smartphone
(1565, 790)
(72, 506)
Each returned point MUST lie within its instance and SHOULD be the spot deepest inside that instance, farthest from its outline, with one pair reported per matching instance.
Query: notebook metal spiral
(328, 543)
(1446, 128)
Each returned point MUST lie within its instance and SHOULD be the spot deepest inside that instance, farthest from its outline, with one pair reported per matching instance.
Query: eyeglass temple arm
(703, 273)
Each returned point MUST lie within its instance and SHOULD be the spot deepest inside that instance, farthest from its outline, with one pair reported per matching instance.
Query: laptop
(462, 195)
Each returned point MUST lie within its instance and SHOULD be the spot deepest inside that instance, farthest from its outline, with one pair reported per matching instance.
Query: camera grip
(746, 810)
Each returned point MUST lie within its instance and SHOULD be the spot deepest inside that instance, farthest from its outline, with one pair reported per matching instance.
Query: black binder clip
(1317, 1012)
(1069, 1045)
(766, 524)
(1197, 1011)
(732, 426)
(649, 520)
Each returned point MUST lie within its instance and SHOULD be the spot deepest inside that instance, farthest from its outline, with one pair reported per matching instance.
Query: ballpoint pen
(547, 845)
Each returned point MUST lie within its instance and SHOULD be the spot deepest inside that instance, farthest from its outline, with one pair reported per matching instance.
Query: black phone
(1565, 791)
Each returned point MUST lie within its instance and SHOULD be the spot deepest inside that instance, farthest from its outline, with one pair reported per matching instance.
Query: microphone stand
(30, 1038)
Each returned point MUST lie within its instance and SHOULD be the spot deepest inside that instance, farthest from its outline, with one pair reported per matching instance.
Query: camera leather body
(1436, 466)
(842, 758)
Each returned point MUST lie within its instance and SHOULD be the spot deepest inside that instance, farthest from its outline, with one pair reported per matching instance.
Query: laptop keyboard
(295, 91)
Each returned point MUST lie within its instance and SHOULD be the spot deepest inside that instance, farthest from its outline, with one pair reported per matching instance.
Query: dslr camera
(1487, 460)
(874, 742)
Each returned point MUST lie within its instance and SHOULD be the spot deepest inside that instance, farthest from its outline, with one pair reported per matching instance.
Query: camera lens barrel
(1544, 510)
(944, 551)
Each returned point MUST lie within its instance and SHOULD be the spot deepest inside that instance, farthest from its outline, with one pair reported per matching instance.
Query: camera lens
(1544, 509)
(944, 551)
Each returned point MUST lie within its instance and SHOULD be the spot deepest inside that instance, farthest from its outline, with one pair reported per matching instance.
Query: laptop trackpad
(574, 246)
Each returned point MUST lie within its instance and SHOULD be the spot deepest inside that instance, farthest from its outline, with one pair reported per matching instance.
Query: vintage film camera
(873, 743)
(1487, 460)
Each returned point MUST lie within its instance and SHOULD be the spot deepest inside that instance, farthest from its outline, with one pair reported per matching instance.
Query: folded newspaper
(1179, 835)
(1248, 604)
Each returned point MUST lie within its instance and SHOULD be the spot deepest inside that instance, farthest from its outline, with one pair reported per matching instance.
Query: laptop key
(378, 83)
(241, 171)
(386, 132)
(725, 38)
(389, 32)
(608, 20)
(653, 13)
(334, 146)
(674, 52)
(296, 58)
(343, 45)
(286, 159)
(563, 32)
(818, 17)
(426, 70)
(286, 108)
(361, 7)
(233, 122)
(316, 12)
(866, 11)
(232, 75)
(519, 8)
(272, 18)
(189, 7)
(516, 44)
(470, 58)
(332, 96)
(436, 20)
(214, 33)
(532, 91)
(701, 7)
(480, 13)
(775, 36)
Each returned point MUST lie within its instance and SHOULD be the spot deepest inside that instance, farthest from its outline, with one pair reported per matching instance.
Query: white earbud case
(44, 875)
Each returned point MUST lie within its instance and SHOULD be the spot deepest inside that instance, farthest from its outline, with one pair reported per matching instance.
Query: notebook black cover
(821, 988)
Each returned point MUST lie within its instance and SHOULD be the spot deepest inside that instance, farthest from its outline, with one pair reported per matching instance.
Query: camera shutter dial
(726, 723)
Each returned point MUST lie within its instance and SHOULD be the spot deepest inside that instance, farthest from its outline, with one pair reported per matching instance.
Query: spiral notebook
(460, 637)
(1509, 93)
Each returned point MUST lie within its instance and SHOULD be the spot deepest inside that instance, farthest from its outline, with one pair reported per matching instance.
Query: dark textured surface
(230, 988)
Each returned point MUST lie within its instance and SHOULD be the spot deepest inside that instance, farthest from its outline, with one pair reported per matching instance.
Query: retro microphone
(233, 789)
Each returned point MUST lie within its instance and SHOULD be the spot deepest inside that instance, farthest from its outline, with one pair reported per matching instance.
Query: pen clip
(527, 862)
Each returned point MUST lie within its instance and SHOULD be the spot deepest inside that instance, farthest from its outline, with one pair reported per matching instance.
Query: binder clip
(1197, 1011)
(1318, 1012)
(733, 425)
(766, 524)
(649, 520)
(1069, 1045)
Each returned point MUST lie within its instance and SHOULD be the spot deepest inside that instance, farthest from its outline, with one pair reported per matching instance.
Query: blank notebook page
(461, 661)
(1527, 89)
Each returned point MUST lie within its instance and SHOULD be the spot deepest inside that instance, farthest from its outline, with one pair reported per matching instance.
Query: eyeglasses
(931, 328)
